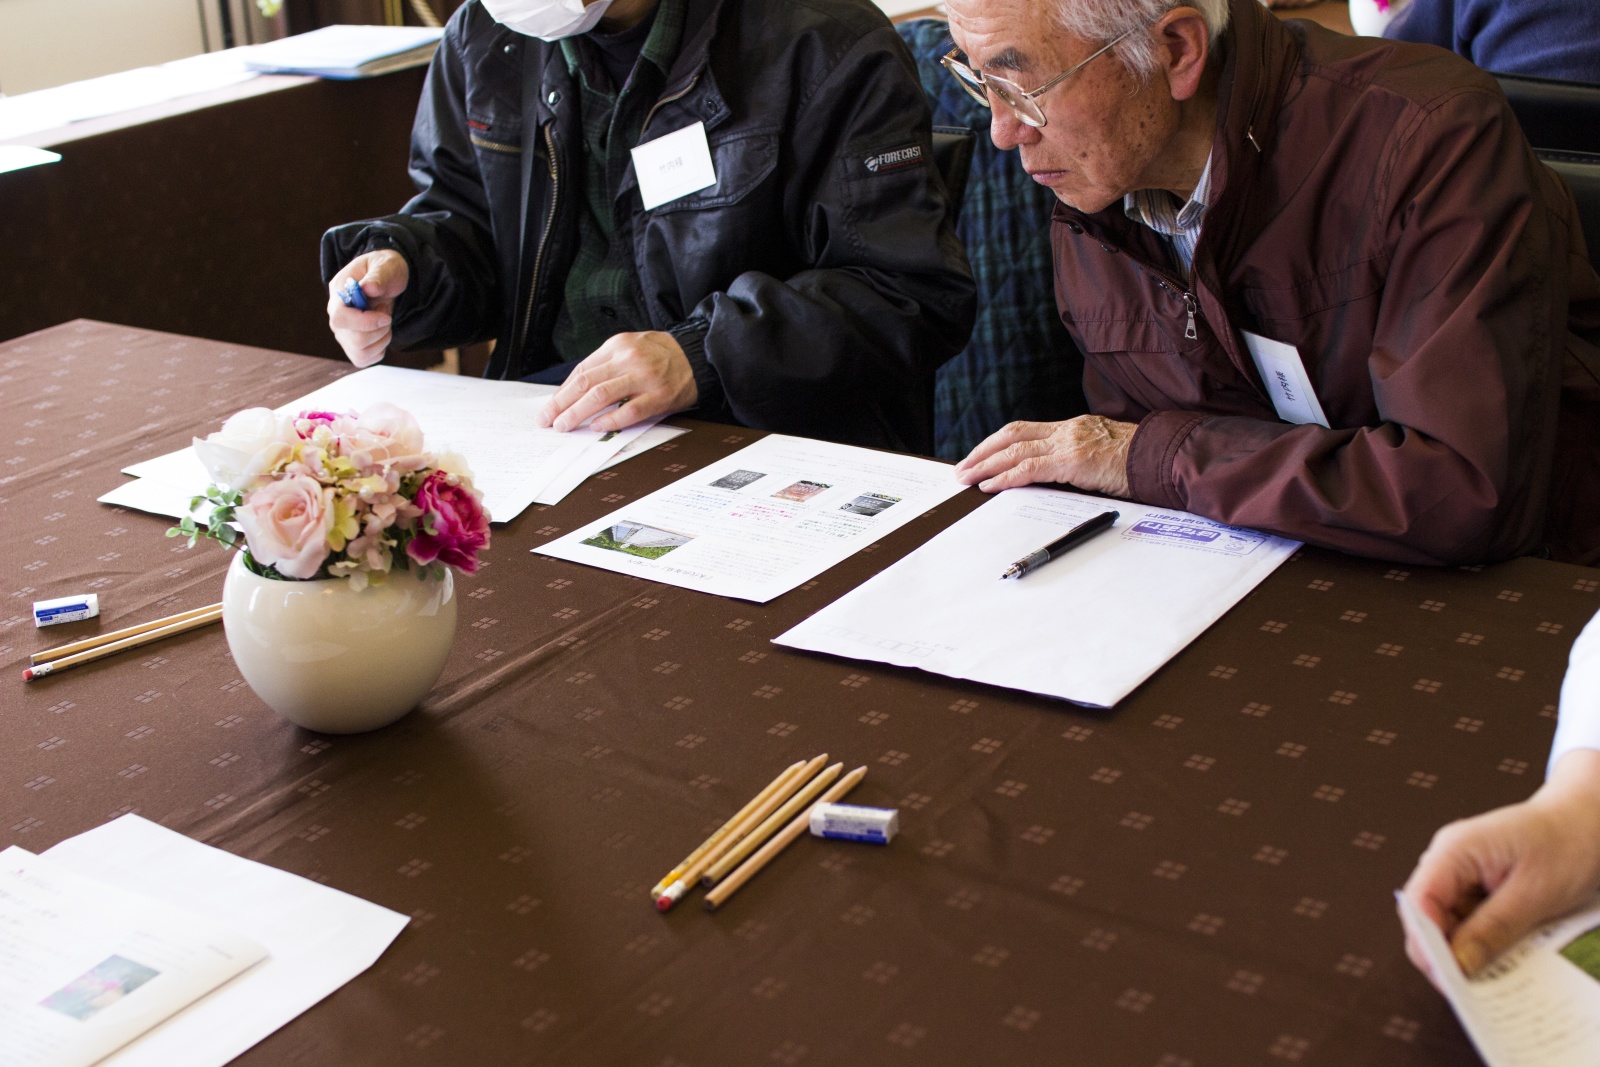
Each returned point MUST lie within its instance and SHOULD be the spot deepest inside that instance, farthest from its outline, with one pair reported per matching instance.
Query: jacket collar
(549, 73)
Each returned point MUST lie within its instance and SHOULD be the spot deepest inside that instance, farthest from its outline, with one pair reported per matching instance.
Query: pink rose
(460, 524)
(286, 524)
(307, 422)
(383, 436)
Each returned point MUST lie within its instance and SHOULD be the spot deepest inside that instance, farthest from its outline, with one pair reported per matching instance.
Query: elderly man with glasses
(1322, 285)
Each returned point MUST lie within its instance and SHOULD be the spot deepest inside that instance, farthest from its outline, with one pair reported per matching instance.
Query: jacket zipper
(1191, 305)
(679, 95)
(544, 238)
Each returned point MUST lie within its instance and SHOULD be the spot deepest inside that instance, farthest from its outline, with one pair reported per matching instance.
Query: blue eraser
(353, 297)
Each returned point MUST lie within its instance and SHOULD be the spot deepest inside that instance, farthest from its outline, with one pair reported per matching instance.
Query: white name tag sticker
(674, 165)
(1284, 374)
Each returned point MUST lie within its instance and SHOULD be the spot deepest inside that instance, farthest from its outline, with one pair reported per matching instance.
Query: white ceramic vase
(334, 660)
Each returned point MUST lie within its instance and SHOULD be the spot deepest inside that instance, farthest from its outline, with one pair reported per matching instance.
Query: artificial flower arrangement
(329, 495)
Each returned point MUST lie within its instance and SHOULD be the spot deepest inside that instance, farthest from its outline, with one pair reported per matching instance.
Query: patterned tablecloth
(1199, 878)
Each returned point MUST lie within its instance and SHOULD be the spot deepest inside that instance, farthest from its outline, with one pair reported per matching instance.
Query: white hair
(1100, 21)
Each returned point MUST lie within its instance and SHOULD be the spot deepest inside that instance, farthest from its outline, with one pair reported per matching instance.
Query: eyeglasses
(979, 86)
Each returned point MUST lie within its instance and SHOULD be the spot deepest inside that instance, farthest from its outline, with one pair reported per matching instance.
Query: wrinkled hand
(364, 335)
(646, 372)
(1089, 452)
(1490, 879)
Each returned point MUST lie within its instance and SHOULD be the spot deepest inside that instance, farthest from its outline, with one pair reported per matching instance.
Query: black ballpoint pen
(1065, 543)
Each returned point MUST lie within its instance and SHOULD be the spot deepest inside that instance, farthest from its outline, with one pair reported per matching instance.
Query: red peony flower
(460, 525)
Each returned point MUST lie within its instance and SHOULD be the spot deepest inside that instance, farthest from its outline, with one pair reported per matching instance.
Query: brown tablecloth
(1199, 878)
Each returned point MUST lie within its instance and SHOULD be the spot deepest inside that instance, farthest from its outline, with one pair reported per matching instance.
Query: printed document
(86, 967)
(514, 462)
(1538, 1005)
(1089, 626)
(318, 938)
(763, 520)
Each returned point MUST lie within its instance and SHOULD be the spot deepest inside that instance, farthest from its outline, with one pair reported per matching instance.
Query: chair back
(1557, 115)
(1020, 362)
(1581, 172)
(952, 154)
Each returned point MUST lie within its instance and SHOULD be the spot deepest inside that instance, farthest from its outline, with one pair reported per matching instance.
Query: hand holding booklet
(1538, 1005)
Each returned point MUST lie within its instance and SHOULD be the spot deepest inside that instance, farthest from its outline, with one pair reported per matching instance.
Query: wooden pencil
(723, 831)
(40, 670)
(677, 890)
(730, 885)
(755, 838)
(87, 643)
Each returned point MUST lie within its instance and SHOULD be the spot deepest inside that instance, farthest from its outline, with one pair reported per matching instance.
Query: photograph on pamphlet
(800, 491)
(99, 987)
(737, 479)
(637, 539)
(1584, 952)
(870, 504)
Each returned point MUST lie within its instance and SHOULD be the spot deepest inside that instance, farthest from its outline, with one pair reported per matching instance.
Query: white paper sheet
(1536, 1006)
(514, 462)
(111, 94)
(343, 51)
(21, 157)
(1089, 626)
(763, 520)
(318, 937)
(655, 435)
(154, 496)
(86, 967)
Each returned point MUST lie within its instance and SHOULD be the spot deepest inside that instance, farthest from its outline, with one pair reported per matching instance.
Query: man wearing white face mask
(777, 253)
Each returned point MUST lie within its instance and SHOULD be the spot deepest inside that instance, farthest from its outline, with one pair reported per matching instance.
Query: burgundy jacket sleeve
(1464, 362)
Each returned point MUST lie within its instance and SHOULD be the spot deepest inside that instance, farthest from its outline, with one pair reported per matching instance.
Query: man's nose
(1008, 131)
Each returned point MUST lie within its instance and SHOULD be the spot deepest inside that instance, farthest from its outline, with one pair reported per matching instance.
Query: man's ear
(1184, 44)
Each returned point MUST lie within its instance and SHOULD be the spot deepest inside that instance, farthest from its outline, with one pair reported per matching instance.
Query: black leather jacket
(815, 288)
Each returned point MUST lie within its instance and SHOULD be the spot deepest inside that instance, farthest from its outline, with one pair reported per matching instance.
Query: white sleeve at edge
(1579, 722)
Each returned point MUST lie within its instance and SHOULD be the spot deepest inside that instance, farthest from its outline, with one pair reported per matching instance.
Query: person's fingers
(1002, 438)
(585, 376)
(632, 410)
(599, 397)
(365, 355)
(1028, 471)
(1503, 919)
(364, 335)
(1006, 460)
(1448, 879)
(383, 275)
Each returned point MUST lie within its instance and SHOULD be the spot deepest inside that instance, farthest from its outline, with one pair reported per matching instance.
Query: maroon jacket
(1394, 226)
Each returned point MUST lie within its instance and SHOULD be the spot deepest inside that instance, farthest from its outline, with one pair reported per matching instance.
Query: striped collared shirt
(1159, 210)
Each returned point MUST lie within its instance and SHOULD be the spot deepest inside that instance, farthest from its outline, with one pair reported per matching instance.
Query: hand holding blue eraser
(353, 297)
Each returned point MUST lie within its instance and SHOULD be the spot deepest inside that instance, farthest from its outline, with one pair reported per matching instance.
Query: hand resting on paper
(647, 373)
(1089, 452)
(364, 335)
(1488, 880)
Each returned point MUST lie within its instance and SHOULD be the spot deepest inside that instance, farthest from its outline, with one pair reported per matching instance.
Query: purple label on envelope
(1173, 529)
(1191, 531)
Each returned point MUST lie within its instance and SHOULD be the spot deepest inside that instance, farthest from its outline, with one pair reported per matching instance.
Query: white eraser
(65, 609)
(850, 822)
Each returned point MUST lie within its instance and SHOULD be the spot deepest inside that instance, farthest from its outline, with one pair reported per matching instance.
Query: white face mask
(548, 20)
